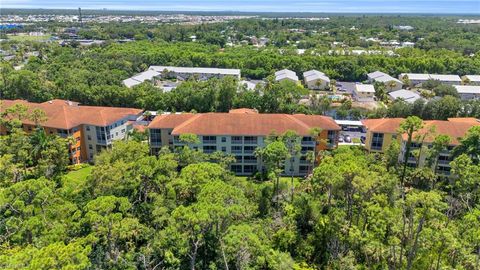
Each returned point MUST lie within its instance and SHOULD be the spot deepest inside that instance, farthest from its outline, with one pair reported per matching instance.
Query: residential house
(240, 132)
(467, 92)
(364, 92)
(390, 82)
(471, 79)
(417, 79)
(93, 128)
(155, 73)
(406, 95)
(286, 75)
(316, 80)
(184, 73)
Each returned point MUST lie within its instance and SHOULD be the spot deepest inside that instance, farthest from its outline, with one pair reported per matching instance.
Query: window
(155, 137)
(303, 169)
(224, 139)
(377, 141)
(249, 168)
(236, 168)
(305, 149)
(249, 149)
(210, 139)
(237, 140)
(87, 128)
(116, 133)
(308, 141)
(90, 147)
(236, 149)
(250, 159)
(332, 136)
(209, 149)
(250, 140)
(224, 149)
(238, 159)
(123, 130)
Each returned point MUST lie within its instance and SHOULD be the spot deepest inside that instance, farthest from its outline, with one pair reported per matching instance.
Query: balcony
(249, 160)
(309, 143)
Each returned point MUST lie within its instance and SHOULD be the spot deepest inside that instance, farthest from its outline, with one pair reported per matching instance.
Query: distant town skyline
(334, 6)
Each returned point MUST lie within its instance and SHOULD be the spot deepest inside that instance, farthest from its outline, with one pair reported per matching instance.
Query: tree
(439, 145)
(409, 126)
(445, 90)
(274, 155)
(292, 142)
(470, 145)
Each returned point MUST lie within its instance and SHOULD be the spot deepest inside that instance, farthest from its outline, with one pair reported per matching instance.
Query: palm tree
(40, 141)
(391, 85)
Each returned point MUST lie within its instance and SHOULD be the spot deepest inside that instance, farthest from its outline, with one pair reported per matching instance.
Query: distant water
(335, 6)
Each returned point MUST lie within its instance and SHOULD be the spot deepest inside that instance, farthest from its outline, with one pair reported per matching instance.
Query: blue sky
(359, 6)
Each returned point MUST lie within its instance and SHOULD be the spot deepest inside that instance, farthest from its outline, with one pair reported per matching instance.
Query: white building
(316, 80)
(286, 74)
(183, 73)
(417, 79)
(180, 73)
(467, 92)
(390, 82)
(406, 95)
(471, 79)
(148, 75)
(364, 92)
(447, 79)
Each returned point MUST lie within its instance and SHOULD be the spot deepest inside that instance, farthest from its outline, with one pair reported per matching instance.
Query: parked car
(340, 139)
(363, 139)
(347, 139)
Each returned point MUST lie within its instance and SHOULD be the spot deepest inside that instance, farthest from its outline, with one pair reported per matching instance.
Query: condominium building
(471, 79)
(241, 132)
(316, 80)
(155, 73)
(391, 83)
(93, 128)
(286, 75)
(417, 79)
(381, 132)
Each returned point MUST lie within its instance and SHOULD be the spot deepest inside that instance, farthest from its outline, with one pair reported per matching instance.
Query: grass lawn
(79, 175)
(28, 38)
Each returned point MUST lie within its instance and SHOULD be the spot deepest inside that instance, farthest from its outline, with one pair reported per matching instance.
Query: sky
(337, 6)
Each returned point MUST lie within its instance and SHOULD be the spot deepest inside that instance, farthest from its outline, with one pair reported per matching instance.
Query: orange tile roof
(63, 114)
(243, 110)
(456, 129)
(242, 124)
(383, 125)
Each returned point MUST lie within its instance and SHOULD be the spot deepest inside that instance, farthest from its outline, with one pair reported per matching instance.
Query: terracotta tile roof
(169, 121)
(243, 110)
(242, 123)
(63, 114)
(456, 129)
(383, 125)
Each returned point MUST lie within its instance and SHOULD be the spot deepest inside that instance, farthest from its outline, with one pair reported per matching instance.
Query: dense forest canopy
(179, 210)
